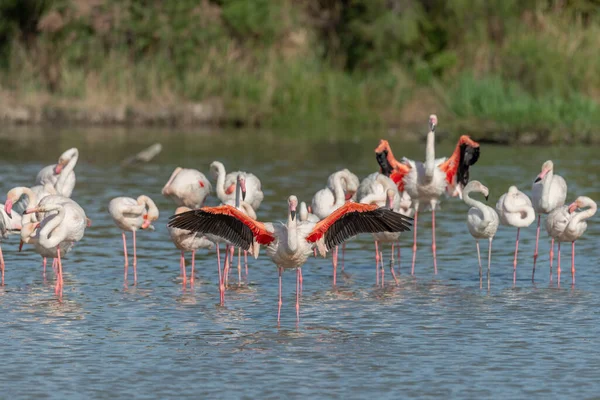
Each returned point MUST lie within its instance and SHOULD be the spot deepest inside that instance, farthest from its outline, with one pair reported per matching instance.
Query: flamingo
(225, 186)
(341, 187)
(67, 225)
(187, 187)
(515, 209)
(186, 241)
(380, 190)
(426, 182)
(27, 197)
(290, 244)
(565, 225)
(549, 191)
(130, 215)
(60, 175)
(482, 221)
(8, 225)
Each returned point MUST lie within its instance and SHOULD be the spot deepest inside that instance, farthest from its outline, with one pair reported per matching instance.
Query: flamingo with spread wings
(289, 245)
(426, 182)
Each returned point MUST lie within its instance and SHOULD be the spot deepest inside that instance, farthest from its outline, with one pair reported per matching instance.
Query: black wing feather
(222, 225)
(468, 156)
(375, 221)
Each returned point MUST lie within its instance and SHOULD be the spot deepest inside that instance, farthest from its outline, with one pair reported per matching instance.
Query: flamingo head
(580, 202)
(242, 182)
(548, 166)
(64, 159)
(433, 121)
(390, 194)
(292, 205)
(477, 186)
(27, 232)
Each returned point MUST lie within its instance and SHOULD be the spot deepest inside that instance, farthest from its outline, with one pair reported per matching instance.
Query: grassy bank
(517, 70)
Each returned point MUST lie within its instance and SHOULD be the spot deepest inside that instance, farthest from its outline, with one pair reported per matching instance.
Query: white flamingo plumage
(515, 209)
(62, 174)
(565, 225)
(290, 244)
(187, 187)
(482, 222)
(548, 192)
(225, 186)
(8, 225)
(130, 215)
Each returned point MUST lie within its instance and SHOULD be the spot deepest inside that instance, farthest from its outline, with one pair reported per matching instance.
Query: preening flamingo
(187, 187)
(225, 186)
(62, 174)
(130, 215)
(23, 197)
(565, 225)
(290, 244)
(482, 222)
(426, 182)
(8, 225)
(60, 229)
(341, 187)
(549, 191)
(515, 209)
(188, 241)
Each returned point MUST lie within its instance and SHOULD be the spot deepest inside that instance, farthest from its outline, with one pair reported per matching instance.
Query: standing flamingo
(62, 174)
(130, 215)
(549, 191)
(341, 187)
(515, 209)
(67, 225)
(482, 222)
(8, 225)
(426, 182)
(290, 244)
(565, 225)
(24, 197)
(187, 187)
(188, 241)
(225, 186)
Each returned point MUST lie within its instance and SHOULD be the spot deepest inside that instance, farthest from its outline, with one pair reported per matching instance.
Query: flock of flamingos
(383, 204)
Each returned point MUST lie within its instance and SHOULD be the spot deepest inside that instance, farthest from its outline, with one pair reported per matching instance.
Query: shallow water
(430, 336)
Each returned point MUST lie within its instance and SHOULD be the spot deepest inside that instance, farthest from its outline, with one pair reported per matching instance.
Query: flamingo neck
(338, 189)
(64, 174)
(485, 210)
(586, 214)
(292, 234)
(430, 155)
(221, 182)
(546, 186)
(523, 209)
(50, 236)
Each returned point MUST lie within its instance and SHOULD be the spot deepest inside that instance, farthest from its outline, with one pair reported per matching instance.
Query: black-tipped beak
(293, 214)
(486, 197)
(537, 179)
(243, 194)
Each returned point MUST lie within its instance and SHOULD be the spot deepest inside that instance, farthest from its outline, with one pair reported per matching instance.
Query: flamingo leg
(377, 263)
(55, 266)
(301, 278)
(433, 246)
(392, 265)
(221, 286)
(335, 263)
(2, 265)
(489, 262)
(231, 254)
(414, 248)
(382, 269)
(399, 259)
(134, 260)
(480, 271)
(298, 295)
(239, 266)
(44, 264)
(59, 281)
(183, 267)
(343, 254)
(515, 260)
(558, 265)
(573, 263)
(246, 262)
(124, 255)
(280, 302)
(193, 263)
(535, 254)
(226, 268)
(551, 257)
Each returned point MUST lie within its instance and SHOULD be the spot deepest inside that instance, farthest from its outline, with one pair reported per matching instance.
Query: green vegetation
(509, 66)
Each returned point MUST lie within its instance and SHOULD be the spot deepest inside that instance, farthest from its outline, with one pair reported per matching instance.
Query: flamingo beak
(8, 208)
(146, 223)
(541, 176)
(573, 207)
(293, 211)
(21, 245)
(243, 187)
(349, 195)
(32, 210)
(59, 167)
(88, 222)
(487, 197)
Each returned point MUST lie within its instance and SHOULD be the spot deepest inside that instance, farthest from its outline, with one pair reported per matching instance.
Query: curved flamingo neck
(221, 181)
(292, 234)
(485, 210)
(546, 186)
(338, 189)
(64, 174)
(586, 214)
(430, 155)
(52, 233)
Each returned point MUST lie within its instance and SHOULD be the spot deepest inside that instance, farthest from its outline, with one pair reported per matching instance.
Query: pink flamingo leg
(551, 257)
(2, 265)
(298, 296)
(181, 263)
(480, 271)
(221, 286)
(55, 266)
(515, 261)
(414, 248)
(193, 263)
(399, 259)
(134, 260)
(377, 263)
(44, 264)
(343, 254)
(573, 263)
(183, 267)
(124, 255)
(280, 302)
(382, 269)
(335, 263)
(535, 254)
(239, 266)
(59, 281)
(489, 262)
(226, 267)
(246, 262)
(433, 246)
(558, 265)
(392, 265)
(301, 278)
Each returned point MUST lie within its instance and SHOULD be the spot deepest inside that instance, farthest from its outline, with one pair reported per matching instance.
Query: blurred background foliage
(507, 65)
